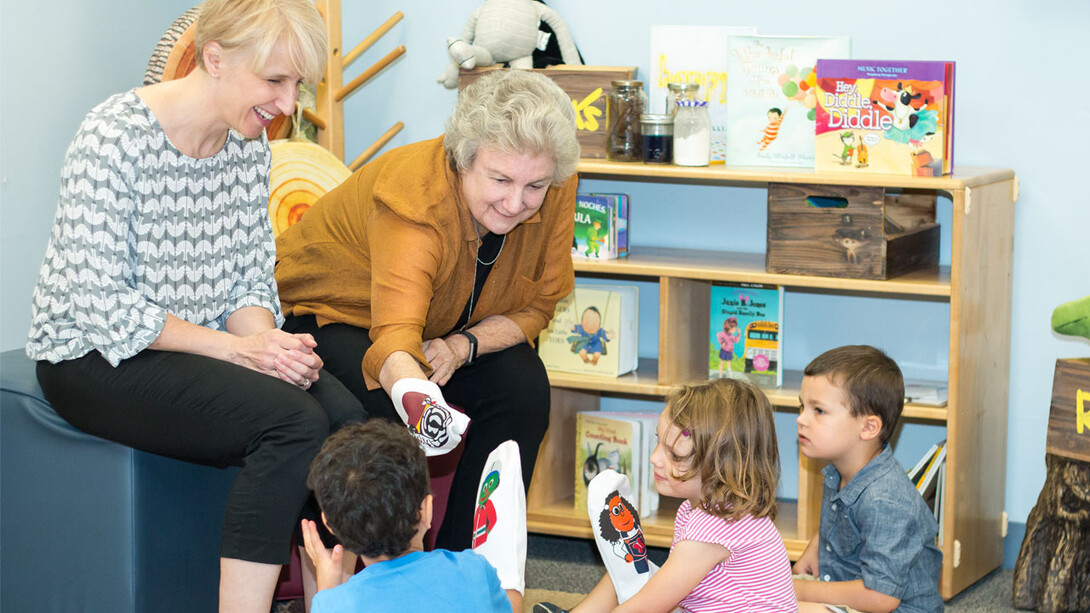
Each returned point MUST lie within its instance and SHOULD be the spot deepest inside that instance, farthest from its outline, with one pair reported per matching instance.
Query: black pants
(505, 393)
(208, 411)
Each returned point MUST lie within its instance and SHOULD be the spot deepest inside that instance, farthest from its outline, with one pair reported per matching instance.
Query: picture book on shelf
(771, 97)
(746, 333)
(928, 478)
(885, 117)
(601, 227)
(593, 331)
(694, 54)
(622, 441)
(931, 393)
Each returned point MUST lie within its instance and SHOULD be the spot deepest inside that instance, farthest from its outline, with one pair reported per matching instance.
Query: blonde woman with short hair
(155, 315)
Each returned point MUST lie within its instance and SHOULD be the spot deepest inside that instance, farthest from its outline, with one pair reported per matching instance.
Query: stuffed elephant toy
(505, 31)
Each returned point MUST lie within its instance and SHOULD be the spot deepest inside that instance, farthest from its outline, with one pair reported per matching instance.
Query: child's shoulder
(889, 494)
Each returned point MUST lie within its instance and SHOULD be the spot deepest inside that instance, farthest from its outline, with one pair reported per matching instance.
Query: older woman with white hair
(155, 315)
(428, 274)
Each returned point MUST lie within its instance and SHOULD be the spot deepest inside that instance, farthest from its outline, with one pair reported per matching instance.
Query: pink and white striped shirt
(755, 578)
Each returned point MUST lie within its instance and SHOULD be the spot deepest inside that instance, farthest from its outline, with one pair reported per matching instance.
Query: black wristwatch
(472, 346)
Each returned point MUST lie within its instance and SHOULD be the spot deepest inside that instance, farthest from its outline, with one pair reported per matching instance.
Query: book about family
(621, 441)
(601, 227)
(885, 117)
(593, 331)
(694, 54)
(745, 337)
(771, 99)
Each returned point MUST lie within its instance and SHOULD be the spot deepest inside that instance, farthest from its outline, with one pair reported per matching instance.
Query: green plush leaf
(1073, 317)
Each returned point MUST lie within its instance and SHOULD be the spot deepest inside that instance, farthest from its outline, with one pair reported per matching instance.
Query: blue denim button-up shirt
(879, 529)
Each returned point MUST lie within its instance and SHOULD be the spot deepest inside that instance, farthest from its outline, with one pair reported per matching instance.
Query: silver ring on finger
(305, 384)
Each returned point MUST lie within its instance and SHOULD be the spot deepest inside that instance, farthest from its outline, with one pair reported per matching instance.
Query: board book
(621, 441)
(771, 97)
(601, 227)
(594, 331)
(745, 337)
(885, 117)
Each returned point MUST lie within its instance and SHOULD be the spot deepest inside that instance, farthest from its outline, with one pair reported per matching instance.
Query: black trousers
(212, 412)
(505, 394)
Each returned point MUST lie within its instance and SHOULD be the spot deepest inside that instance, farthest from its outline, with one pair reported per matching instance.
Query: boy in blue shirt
(875, 549)
(371, 482)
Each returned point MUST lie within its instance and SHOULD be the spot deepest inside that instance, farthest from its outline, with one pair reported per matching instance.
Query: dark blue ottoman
(90, 525)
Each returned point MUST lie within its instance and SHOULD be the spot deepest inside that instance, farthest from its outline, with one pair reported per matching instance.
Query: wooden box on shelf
(588, 87)
(850, 231)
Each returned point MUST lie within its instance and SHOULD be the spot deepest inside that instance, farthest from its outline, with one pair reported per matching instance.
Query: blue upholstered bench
(90, 525)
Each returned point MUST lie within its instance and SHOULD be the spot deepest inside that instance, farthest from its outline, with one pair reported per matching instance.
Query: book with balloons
(771, 99)
(893, 117)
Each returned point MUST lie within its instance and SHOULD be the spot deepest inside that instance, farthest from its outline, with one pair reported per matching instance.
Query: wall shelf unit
(976, 284)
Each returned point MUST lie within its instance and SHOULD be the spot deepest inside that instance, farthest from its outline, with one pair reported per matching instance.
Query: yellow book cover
(602, 443)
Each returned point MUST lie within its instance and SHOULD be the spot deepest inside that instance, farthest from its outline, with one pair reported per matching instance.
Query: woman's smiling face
(503, 190)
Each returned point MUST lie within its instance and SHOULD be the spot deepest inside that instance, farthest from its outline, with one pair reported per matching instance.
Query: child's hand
(807, 565)
(327, 562)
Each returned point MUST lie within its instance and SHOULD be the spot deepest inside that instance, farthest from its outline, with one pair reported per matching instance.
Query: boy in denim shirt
(875, 550)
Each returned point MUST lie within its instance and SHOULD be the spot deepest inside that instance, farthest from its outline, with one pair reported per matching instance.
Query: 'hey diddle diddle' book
(745, 337)
(771, 97)
(885, 117)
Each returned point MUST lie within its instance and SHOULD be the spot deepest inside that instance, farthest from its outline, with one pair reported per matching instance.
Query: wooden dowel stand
(313, 118)
(378, 144)
(366, 43)
(370, 72)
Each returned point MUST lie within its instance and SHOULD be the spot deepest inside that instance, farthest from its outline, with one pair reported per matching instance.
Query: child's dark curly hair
(370, 479)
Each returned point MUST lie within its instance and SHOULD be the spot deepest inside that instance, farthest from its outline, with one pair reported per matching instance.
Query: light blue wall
(57, 60)
(1021, 104)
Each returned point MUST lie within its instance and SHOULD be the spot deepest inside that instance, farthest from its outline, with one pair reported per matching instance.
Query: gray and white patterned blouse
(143, 230)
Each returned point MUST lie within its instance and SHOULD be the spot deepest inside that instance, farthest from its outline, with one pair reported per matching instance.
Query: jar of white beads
(692, 133)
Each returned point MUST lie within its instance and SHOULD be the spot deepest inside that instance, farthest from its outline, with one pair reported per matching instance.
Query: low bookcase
(976, 284)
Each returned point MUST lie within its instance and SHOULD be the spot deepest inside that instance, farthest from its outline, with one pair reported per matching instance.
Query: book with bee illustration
(885, 117)
(593, 331)
(771, 97)
(621, 441)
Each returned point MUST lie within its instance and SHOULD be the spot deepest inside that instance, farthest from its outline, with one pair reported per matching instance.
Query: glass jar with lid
(680, 91)
(623, 109)
(692, 133)
(658, 138)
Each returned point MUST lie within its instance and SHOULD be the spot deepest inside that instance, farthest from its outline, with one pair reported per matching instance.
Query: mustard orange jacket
(393, 250)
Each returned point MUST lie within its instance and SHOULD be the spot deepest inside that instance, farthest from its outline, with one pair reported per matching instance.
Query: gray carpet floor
(572, 565)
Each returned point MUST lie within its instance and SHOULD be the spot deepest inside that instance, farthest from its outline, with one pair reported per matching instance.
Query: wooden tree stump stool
(1053, 565)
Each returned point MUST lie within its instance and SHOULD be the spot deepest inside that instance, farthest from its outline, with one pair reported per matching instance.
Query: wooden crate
(588, 87)
(850, 231)
(1069, 419)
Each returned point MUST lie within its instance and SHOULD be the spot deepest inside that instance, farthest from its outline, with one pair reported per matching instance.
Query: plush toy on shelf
(506, 32)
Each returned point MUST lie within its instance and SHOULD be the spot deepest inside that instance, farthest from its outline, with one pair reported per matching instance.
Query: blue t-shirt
(437, 580)
(879, 529)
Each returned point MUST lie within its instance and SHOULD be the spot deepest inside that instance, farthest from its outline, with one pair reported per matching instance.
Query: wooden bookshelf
(977, 286)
